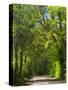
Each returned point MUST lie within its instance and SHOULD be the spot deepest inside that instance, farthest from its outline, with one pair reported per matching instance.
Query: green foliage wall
(39, 41)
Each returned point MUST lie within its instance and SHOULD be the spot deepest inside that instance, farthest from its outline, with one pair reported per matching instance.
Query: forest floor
(43, 80)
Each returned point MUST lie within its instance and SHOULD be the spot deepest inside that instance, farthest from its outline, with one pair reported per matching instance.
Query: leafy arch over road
(39, 41)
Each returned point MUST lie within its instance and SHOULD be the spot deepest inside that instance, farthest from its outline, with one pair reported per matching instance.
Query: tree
(39, 41)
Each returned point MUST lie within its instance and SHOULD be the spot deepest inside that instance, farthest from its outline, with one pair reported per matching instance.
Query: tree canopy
(39, 41)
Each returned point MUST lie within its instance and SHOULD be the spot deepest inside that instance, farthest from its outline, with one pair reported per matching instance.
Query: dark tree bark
(25, 62)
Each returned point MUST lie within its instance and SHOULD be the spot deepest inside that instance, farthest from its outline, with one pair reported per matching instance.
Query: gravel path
(43, 80)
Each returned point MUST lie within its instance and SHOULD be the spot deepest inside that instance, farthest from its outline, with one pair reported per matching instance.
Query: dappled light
(38, 45)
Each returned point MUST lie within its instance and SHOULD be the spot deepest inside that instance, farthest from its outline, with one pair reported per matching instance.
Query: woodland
(39, 42)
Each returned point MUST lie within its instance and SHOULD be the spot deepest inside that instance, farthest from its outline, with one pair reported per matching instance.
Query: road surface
(43, 80)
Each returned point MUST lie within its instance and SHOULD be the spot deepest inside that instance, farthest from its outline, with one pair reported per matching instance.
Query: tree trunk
(21, 62)
(25, 63)
(24, 70)
(16, 62)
